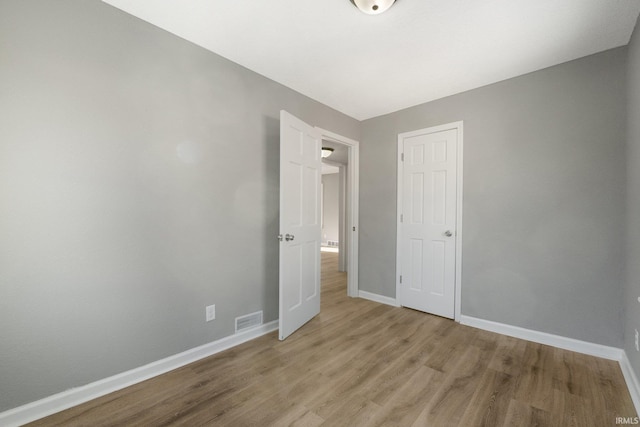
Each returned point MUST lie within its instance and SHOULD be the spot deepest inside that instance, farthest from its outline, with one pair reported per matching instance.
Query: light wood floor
(360, 363)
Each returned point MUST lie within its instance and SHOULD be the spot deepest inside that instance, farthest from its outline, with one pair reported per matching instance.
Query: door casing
(459, 173)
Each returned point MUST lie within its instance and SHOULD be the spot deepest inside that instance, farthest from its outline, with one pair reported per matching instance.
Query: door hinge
(401, 278)
(354, 228)
(401, 218)
(402, 157)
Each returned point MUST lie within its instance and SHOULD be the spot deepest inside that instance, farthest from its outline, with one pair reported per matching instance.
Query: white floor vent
(332, 243)
(248, 321)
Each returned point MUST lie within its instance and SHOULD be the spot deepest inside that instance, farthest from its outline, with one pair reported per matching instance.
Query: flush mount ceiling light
(326, 152)
(373, 7)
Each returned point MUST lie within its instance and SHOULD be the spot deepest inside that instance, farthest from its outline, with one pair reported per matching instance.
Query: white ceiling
(417, 51)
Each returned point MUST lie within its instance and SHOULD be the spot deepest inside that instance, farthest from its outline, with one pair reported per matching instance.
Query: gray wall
(632, 288)
(544, 197)
(138, 182)
(330, 206)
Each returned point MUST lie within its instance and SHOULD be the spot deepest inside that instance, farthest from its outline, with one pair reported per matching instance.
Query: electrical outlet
(637, 344)
(211, 312)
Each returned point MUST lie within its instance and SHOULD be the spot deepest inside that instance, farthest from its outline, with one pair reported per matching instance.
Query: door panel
(416, 259)
(427, 240)
(300, 169)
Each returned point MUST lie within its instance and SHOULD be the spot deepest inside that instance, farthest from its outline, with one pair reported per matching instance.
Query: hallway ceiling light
(373, 7)
(326, 152)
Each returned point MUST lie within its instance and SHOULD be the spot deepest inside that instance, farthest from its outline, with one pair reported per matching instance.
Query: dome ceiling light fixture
(373, 7)
(326, 152)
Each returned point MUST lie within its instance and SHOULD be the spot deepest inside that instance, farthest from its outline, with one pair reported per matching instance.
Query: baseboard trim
(378, 298)
(75, 396)
(631, 379)
(592, 349)
(598, 350)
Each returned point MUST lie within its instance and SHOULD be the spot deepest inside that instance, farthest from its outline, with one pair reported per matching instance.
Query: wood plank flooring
(360, 363)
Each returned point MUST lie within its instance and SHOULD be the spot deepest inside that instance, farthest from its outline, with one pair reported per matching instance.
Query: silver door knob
(289, 237)
(280, 237)
(448, 233)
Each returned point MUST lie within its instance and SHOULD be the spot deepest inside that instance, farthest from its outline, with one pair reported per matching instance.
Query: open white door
(300, 178)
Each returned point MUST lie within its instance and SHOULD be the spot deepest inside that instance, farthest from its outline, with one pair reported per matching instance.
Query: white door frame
(352, 206)
(458, 236)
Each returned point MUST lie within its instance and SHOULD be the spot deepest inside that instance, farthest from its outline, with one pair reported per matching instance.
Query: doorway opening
(339, 206)
(332, 214)
(300, 225)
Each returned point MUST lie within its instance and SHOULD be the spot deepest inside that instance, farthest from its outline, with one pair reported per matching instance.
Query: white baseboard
(598, 350)
(75, 396)
(631, 379)
(378, 298)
